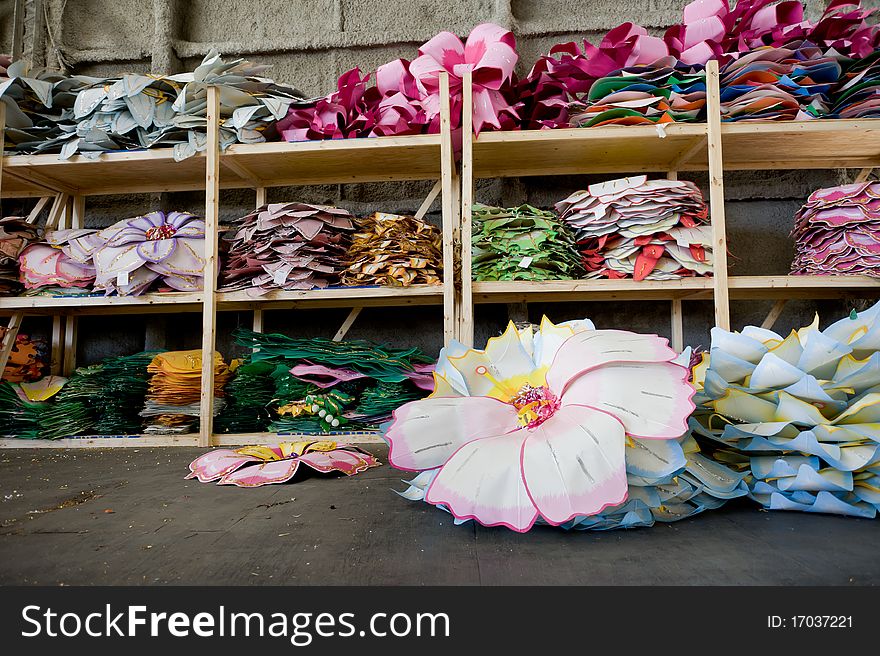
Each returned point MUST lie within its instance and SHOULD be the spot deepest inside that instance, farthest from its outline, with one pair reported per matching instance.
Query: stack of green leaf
(72, 411)
(120, 398)
(19, 417)
(248, 396)
(523, 243)
(342, 386)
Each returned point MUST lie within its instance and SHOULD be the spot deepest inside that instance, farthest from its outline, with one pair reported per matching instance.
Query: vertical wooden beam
(56, 214)
(57, 354)
(2, 146)
(347, 324)
(78, 218)
(716, 197)
(774, 314)
(69, 361)
(209, 303)
(466, 329)
(18, 12)
(8, 341)
(258, 311)
(677, 326)
(447, 165)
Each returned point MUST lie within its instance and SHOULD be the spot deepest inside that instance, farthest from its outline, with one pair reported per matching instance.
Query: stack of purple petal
(837, 232)
(166, 249)
(287, 246)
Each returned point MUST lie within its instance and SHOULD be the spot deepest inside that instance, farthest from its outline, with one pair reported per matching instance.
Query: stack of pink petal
(837, 232)
(64, 261)
(166, 249)
(642, 229)
(287, 246)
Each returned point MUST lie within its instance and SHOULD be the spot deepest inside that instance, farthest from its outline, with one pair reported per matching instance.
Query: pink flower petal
(427, 432)
(217, 463)
(651, 399)
(278, 471)
(593, 348)
(573, 464)
(483, 481)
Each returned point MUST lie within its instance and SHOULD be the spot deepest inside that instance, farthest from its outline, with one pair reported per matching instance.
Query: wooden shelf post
(209, 296)
(466, 316)
(447, 165)
(716, 196)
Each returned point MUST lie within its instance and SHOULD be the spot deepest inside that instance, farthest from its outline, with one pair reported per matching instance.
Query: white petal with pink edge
(426, 433)
(594, 348)
(574, 464)
(483, 481)
(651, 399)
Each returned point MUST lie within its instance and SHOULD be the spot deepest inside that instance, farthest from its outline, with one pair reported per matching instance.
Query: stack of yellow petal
(175, 389)
(394, 250)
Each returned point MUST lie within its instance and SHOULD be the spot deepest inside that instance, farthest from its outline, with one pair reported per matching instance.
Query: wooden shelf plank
(375, 159)
(336, 297)
(803, 287)
(187, 440)
(592, 290)
(818, 144)
(611, 149)
(146, 303)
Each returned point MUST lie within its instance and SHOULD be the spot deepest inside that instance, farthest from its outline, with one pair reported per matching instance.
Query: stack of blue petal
(802, 413)
(668, 480)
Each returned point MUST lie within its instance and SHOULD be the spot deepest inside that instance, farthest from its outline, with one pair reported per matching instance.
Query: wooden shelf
(78, 305)
(817, 144)
(520, 291)
(611, 149)
(187, 440)
(336, 297)
(803, 287)
(376, 159)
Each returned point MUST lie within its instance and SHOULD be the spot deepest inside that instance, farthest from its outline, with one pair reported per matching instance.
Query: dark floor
(127, 516)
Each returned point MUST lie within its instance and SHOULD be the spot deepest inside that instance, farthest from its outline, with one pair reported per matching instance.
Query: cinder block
(211, 20)
(120, 25)
(572, 15)
(419, 18)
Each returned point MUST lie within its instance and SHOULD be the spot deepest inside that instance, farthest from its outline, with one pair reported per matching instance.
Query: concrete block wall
(310, 43)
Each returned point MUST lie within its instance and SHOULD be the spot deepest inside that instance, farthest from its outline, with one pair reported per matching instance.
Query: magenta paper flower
(536, 425)
(340, 115)
(254, 466)
(135, 252)
(395, 101)
(490, 54)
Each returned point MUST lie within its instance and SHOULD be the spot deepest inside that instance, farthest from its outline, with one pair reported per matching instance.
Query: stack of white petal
(801, 412)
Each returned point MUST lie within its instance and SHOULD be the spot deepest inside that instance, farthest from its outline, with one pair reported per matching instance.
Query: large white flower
(536, 424)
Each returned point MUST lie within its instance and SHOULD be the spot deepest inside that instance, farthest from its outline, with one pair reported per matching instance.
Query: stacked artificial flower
(172, 404)
(559, 424)
(663, 92)
(394, 250)
(779, 83)
(642, 229)
(837, 231)
(287, 246)
(800, 412)
(522, 243)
